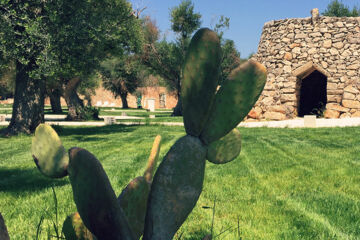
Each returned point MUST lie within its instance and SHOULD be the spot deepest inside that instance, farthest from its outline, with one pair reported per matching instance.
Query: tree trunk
(178, 108)
(123, 97)
(88, 100)
(74, 103)
(28, 107)
(55, 101)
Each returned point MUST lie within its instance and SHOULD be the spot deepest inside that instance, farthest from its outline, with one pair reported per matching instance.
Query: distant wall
(104, 98)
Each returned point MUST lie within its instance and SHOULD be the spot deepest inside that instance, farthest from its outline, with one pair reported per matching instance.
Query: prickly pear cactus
(209, 119)
(3, 230)
(100, 214)
(157, 208)
(74, 228)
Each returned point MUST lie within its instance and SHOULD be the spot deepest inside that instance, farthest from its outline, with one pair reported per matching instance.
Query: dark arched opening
(313, 96)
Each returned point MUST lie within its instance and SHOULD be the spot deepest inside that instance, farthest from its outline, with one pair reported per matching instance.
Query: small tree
(338, 9)
(120, 76)
(166, 59)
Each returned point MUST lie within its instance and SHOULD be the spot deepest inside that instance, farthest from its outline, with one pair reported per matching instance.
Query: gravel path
(294, 123)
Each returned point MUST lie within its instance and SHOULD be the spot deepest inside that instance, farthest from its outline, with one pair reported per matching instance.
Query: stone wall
(291, 49)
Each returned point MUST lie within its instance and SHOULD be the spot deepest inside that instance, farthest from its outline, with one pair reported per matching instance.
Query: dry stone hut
(313, 68)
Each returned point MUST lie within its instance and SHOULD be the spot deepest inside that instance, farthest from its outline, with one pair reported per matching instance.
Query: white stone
(338, 45)
(310, 121)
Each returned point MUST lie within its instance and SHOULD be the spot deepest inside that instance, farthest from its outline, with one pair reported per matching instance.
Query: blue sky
(247, 17)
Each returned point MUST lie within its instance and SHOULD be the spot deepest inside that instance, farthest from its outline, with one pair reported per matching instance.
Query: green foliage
(89, 113)
(178, 181)
(337, 9)
(7, 79)
(183, 19)
(121, 75)
(230, 59)
(166, 58)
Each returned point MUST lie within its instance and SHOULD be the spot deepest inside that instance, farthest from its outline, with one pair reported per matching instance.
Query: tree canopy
(338, 9)
(62, 40)
(121, 76)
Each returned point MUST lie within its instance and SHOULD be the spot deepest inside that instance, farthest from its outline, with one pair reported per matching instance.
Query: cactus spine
(158, 208)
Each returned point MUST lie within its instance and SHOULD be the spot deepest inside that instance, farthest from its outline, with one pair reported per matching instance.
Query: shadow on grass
(92, 130)
(24, 180)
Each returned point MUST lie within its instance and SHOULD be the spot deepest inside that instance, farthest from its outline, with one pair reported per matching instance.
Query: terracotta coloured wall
(106, 98)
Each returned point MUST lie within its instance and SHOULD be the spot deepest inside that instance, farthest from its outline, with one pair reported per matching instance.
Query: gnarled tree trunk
(123, 97)
(55, 102)
(28, 107)
(74, 103)
(178, 108)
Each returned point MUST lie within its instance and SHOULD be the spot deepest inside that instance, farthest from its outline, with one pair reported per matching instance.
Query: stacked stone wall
(292, 48)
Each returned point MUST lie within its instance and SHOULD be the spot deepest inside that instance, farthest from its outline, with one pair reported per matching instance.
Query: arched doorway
(312, 94)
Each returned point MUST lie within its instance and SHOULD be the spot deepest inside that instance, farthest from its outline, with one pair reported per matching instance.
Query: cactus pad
(176, 188)
(133, 201)
(74, 228)
(202, 68)
(234, 100)
(225, 149)
(94, 197)
(3, 230)
(48, 152)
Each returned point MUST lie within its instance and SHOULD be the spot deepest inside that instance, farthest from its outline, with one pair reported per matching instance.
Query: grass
(286, 183)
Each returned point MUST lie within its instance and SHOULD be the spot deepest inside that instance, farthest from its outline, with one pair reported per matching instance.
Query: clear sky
(247, 17)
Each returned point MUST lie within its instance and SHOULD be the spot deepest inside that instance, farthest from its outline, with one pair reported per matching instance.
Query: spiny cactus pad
(95, 199)
(133, 201)
(153, 158)
(202, 68)
(234, 100)
(48, 152)
(3, 230)
(225, 149)
(74, 228)
(176, 188)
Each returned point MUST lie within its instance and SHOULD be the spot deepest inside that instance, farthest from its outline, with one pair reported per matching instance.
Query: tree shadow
(16, 181)
(92, 130)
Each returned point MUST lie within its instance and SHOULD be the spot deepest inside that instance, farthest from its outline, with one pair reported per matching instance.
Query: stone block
(109, 120)
(335, 92)
(351, 104)
(333, 51)
(278, 108)
(288, 56)
(339, 24)
(294, 45)
(312, 50)
(354, 66)
(348, 96)
(300, 36)
(334, 98)
(356, 114)
(331, 114)
(274, 116)
(338, 45)
(288, 97)
(351, 89)
(288, 90)
(331, 86)
(327, 43)
(336, 107)
(345, 115)
(310, 121)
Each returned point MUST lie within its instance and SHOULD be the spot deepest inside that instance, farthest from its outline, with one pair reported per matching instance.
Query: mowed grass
(286, 183)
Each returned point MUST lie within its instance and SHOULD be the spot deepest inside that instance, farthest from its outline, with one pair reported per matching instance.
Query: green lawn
(286, 183)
